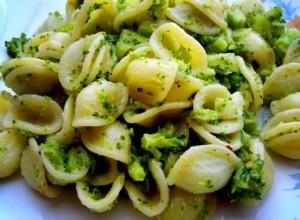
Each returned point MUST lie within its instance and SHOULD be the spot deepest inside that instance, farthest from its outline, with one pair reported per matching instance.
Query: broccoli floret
(147, 28)
(15, 47)
(205, 115)
(247, 182)
(236, 19)
(283, 42)
(250, 123)
(157, 8)
(208, 76)
(270, 25)
(233, 81)
(167, 137)
(128, 39)
(223, 63)
(136, 171)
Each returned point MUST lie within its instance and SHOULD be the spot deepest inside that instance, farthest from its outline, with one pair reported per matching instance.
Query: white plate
(18, 201)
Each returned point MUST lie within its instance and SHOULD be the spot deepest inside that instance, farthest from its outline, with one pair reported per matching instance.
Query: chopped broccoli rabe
(236, 19)
(250, 123)
(247, 182)
(205, 115)
(223, 63)
(245, 90)
(269, 25)
(157, 8)
(128, 39)
(167, 137)
(233, 81)
(147, 28)
(136, 171)
(65, 27)
(208, 76)
(15, 47)
(170, 162)
(283, 42)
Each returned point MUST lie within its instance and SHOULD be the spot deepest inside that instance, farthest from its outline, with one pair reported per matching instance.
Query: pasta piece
(11, 147)
(67, 134)
(203, 169)
(53, 22)
(170, 41)
(158, 203)
(149, 80)
(190, 18)
(84, 61)
(282, 123)
(72, 5)
(138, 113)
(94, 16)
(30, 75)
(213, 9)
(94, 200)
(109, 176)
(100, 104)
(184, 205)
(183, 87)
(48, 45)
(255, 84)
(63, 165)
(284, 80)
(33, 113)
(112, 141)
(232, 140)
(34, 173)
(119, 71)
(249, 6)
(4, 106)
(258, 52)
(131, 11)
(289, 102)
(292, 55)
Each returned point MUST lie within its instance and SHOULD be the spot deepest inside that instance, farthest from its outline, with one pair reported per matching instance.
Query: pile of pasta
(128, 98)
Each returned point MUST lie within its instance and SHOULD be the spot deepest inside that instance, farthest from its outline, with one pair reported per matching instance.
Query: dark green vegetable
(15, 47)
(236, 19)
(250, 123)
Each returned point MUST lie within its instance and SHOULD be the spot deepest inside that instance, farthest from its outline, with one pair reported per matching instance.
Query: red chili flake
(229, 146)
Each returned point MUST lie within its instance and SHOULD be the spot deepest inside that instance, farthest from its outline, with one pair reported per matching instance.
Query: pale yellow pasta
(157, 203)
(292, 55)
(192, 19)
(52, 22)
(184, 205)
(84, 61)
(150, 116)
(170, 41)
(284, 80)
(258, 52)
(4, 106)
(30, 75)
(94, 16)
(213, 9)
(112, 141)
(203, 169)
(48, 45)
(33, 171)
(149, 80)
(11, 146)
(61, 171)
(99, 203)
(71, 6)
(291, 101)
(67, 134)
(249, 6)
(233, 140)
(100, 104)
(35, 114)
(108, 177)
(254, 82)
(133, 11)
(119, 71)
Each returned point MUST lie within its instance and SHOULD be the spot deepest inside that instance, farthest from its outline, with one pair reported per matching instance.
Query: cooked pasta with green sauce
(152, 100)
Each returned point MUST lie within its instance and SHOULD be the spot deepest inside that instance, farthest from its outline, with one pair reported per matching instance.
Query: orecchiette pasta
(158, 203)
(4, 106)
(100, 104)
(291, 101)
(109, 176)
(32, 169)
(30, 75)
(293, 53)
(192, 173)
(112, 141)
(35, 114)
(11, 147)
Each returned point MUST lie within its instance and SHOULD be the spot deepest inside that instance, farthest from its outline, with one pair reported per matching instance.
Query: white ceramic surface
(18, 201)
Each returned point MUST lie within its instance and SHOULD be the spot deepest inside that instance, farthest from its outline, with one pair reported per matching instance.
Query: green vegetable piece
(136, 171)
(128, 39)
(250, 123)
(224, 64)
(147, 28)
(170, 162)
(236, 19)
(15, 47)
(205, 115)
